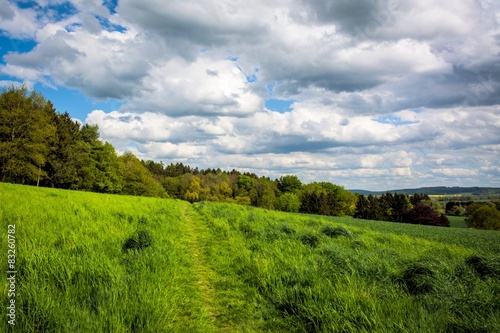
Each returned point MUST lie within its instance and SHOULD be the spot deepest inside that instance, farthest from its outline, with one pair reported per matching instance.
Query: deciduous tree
(289, 202)
(27, 132)
(137, 180)
(426, 215)
(483, 216)
(290, 183)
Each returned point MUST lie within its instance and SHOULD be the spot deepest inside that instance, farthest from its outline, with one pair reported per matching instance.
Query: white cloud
(261, 143)
(455, 172)
(384, 93)
(205, 86)
(16, 22)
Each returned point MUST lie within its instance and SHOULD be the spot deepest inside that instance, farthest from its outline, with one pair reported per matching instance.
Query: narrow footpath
(196, 231)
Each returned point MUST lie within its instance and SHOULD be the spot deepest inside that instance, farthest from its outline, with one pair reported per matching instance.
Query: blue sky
(368, 94)
(74, 102)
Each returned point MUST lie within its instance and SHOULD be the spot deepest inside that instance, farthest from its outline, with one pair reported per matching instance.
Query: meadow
(91, 262)
(457, 221)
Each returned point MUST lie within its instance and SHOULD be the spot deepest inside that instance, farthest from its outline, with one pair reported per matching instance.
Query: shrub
(289, 202)
(457, 211)
(334, 232)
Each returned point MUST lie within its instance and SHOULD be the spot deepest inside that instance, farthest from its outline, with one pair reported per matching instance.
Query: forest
(39, 146)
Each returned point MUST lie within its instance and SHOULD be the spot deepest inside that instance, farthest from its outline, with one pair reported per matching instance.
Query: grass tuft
(287, 229)
(310, 240)
(334, 232)
(484, 267)
(139, 241)
(418, 279)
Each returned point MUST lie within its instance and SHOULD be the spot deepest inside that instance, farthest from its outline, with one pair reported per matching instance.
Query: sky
(367, 94)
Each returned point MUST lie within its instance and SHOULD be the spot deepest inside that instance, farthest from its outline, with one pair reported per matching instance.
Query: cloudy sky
(369, 94)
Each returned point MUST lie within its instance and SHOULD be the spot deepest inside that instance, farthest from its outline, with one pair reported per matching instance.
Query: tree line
(286, 193)
(415, 209)
(480, 215)
(41, 147)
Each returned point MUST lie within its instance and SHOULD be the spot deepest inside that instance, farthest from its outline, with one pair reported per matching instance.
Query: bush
(334, 232)
(457, 211)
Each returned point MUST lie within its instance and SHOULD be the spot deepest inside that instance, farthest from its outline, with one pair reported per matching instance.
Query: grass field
(457, 221)
(88, 262)
(483, 241)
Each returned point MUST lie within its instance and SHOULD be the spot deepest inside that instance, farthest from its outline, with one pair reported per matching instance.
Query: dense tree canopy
(289, 183)
(41, 147)
(415, 209)
(327, 199)
(483, 216)
(27, 135)
(426, 215)
(137, 180)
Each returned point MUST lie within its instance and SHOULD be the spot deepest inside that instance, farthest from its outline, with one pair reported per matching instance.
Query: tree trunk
(38, 178)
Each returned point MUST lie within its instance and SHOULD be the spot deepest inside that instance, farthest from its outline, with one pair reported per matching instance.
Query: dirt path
(195, 229)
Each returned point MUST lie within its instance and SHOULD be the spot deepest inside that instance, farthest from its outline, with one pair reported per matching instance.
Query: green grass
(299, 275)
(457, 221)
(75, 275)
(102, 263)
(483, 241)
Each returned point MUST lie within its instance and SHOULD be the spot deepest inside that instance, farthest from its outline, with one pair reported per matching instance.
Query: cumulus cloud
(438, 144)
(383, 94)
(17, 22)
(205, 86)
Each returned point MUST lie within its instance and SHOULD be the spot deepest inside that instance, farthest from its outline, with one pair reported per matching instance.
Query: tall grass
(76, 275)
(102, 263)
(484, 241)
(306, 274)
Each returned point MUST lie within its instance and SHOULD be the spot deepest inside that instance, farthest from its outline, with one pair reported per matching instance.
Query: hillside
(88, 262)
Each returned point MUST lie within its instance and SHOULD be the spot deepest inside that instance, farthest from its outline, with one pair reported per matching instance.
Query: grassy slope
(219, 267)
(293, 277)
(483, 241)
(73, 275)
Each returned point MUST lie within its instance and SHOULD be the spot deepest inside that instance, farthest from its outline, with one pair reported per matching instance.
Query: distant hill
(438, 190)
